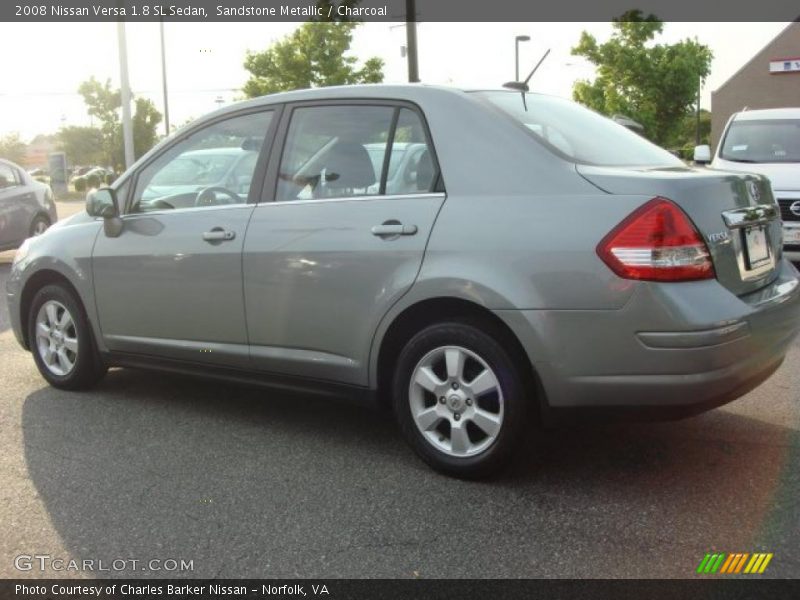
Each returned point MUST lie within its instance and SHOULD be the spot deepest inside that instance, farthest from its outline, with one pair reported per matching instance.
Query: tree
(685, 137)
(82, 145)
(314, 55)
(104, 103)
(654, 84)
(13, 148)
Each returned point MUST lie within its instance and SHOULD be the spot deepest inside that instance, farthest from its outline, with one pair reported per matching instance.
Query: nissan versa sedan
(532, 259)
(27, 207)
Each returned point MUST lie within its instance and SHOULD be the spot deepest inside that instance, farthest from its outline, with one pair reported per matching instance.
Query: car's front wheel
(459, 398)
(39, 225)
(61, 340)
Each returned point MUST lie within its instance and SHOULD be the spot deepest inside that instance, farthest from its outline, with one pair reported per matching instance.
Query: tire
(65, 353)
(465, 420)
(39, 225)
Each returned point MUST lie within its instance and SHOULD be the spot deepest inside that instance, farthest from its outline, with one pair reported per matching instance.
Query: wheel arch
(36, 282)
(426, 312)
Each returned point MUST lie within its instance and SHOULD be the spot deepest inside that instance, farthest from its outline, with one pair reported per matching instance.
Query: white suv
(766, 142)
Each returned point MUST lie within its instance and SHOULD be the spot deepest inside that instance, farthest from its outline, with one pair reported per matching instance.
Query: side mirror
(702, 154)
(103, 203)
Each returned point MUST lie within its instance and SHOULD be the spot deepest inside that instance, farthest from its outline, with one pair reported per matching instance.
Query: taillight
(657, 242)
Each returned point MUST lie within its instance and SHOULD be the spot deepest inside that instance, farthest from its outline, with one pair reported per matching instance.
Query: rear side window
(358, 150)
(579, 134)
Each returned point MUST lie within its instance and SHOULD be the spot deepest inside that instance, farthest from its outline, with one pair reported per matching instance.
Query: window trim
(269, 192)
(258, 174)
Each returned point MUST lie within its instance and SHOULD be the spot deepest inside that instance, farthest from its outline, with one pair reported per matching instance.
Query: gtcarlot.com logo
(45, 562)
(735, 563)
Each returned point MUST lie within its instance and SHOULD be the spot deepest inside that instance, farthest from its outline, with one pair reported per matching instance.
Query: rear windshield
(580, 134)
(763, 141)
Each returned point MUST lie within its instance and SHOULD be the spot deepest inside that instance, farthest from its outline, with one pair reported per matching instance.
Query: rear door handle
(393, 229)
(218, 234)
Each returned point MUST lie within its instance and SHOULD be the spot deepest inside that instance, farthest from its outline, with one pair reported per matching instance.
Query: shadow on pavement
(246, 483)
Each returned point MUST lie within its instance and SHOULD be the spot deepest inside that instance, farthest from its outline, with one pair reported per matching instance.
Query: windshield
(195, 169)
(582, 135)
(765, 141)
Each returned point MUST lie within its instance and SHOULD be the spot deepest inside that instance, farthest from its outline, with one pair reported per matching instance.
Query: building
(771, 79)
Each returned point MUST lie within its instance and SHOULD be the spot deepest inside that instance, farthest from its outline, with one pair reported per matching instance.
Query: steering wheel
(208, 197)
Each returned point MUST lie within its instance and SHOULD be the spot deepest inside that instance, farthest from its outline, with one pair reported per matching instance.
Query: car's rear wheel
(460, 399)
(39, 225)
(61, 340)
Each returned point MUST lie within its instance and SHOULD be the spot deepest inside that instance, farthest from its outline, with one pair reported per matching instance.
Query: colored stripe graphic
(727, 564)
(752, 563)
(765, 563)
(718, 563)
(701, 567)
(741, 562)
(734, 563)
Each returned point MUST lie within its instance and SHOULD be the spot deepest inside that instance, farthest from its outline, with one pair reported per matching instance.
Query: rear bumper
(673, 350)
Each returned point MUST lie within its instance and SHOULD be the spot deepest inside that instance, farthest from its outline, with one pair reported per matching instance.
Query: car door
(170, 285)
(328, 250)
(14, 201)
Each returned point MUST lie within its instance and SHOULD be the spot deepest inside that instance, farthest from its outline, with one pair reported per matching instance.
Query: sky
(38, 93)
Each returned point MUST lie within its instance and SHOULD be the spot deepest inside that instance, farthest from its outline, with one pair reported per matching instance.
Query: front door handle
(218, 234)
(393, 228)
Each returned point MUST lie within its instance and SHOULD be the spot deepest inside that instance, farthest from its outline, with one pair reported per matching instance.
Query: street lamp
(517, 40)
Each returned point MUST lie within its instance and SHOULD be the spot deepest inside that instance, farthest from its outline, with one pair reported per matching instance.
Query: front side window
(212, 167)
(762, 141)
(8, 178)
(580, 134)
(341, 152)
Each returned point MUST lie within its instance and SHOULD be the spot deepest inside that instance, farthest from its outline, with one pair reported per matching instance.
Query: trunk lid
(734, 212)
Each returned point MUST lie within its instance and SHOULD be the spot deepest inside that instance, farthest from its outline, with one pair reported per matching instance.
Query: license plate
(757, 248)
(791, 235)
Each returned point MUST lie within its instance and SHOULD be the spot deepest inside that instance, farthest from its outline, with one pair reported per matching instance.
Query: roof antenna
(522, 86)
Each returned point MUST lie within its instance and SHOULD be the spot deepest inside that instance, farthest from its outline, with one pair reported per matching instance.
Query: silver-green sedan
(472, 258)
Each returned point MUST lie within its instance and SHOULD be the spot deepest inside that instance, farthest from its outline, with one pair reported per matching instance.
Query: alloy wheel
(56, 338)
(456, 401)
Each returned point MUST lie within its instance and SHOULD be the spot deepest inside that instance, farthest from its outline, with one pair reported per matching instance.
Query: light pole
(164, 78)
(125, 88)
(517, 40)
(697, 123)
(411, 41)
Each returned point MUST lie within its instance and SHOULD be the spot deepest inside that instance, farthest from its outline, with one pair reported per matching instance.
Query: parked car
(27, 207)
(543, 260)
(178, 183)
(765, 142)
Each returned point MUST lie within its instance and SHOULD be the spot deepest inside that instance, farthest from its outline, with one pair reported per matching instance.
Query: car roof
(412, 92)
(767, 114)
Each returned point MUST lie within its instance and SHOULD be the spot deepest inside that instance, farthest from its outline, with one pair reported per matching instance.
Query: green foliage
(654, 84)
(685, 136)
(314, 55)
(82, 145)
(93, 181)
(12, 148)
(104, 103)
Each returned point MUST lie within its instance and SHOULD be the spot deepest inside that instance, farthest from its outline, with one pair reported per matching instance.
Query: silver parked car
(26, 206)
(524, 256)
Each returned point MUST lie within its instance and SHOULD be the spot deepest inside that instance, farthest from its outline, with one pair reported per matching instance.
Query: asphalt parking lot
(248, 483)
